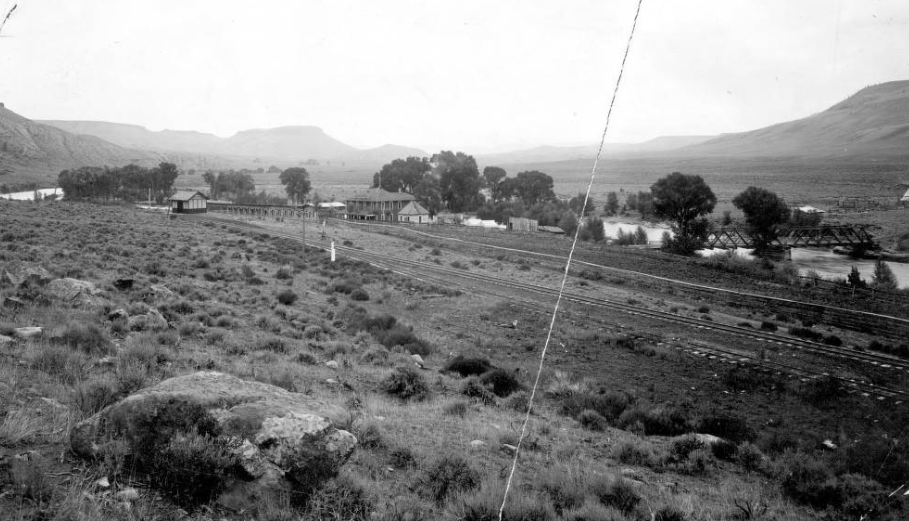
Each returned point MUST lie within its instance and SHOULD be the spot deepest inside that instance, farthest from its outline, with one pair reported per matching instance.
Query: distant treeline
(127, 183)
(238, 187)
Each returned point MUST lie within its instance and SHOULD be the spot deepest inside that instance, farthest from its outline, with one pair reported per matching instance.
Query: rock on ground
(75, 292)
(17, 273)
(281, 439)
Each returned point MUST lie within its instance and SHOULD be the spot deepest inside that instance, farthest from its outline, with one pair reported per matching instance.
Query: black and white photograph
(403, 260)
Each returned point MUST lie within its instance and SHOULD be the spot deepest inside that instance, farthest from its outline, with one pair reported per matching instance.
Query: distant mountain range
(871, 124)
(294, 143)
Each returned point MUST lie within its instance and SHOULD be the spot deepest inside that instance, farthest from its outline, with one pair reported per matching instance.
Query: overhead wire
(555, 311)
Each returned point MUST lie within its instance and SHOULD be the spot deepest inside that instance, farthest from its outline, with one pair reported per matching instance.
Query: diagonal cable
(555, 311)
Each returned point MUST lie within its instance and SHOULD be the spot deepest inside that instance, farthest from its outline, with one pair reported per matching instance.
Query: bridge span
(822, 236)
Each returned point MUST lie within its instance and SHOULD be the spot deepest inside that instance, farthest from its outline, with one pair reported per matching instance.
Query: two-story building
(377, 204)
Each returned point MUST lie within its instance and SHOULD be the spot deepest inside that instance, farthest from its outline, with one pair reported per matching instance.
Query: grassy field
(610, 438)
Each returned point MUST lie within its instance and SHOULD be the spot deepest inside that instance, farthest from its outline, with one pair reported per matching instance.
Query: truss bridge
(801, 237)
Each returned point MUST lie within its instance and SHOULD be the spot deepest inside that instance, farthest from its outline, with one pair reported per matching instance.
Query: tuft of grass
(407, 384)
(449, 474)
(465, 366)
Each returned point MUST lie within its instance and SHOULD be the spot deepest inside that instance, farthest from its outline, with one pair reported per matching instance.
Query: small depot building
(415, 213)
(188, 202)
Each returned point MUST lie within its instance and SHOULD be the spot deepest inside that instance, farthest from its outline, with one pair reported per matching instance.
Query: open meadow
(625, 426)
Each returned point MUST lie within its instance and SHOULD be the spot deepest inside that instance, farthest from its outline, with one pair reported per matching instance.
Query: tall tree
(612, 204)
(883, 277)
(764, 213)
(402, 174)
(296, 183)
(683, 199)
(577, 201)
(494, 176)
(429, 194)
(459, 180)
(533, 187)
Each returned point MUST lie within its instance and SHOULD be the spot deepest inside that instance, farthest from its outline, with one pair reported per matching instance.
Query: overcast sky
(471, 75)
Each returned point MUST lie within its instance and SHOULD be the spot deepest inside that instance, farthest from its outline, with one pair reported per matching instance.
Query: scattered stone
(128, 494)
(282, 437)
(331, 381)
(417, 359)
(477, 444)
(107, 361)
(103, 482)
(708, 439)
(331, 364)
(75, 292)
(161, 291)
(150, 321)
(118, 314)
(27, 332)
(18, 273)
(13, 303)
(828, 444)
(510, 449)
(5, 341)
(379, 418)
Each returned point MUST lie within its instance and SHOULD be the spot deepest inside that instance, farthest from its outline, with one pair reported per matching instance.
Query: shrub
(768, 326)
(635, 453)
(592, 511)
(697, 462)
(749, 456)
(609, 405)
(406, 383)
(563, 488)
(833, 340)
(823, 390)
(659, 421)
(472, 388)
(669, 513)
(501, 382)
(91, 397)
(287, 297)
(726, 426)
(468, 366)
(619, 494)
(680, 448)
(283, 274)
(359, 294)
(806, 333)
(724, 450)
(177, 446)
(88, 338)
(517, 402)
(450, 474)
(341, 498)
(521, 506)
(458, 409)
(593, 420)
(807, 479)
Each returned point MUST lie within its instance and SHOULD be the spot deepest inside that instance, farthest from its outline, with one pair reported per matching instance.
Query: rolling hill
(30, 146)
(872, 123)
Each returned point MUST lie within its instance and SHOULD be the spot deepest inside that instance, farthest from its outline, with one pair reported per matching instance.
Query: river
(823, 262)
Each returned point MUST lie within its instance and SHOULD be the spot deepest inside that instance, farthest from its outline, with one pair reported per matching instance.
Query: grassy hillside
(611, 437)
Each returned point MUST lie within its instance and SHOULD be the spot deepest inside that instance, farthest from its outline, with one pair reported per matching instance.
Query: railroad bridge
(262, 210)
(828, 236)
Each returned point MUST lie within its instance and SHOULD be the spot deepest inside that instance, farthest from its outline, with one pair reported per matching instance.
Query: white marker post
(332, 251)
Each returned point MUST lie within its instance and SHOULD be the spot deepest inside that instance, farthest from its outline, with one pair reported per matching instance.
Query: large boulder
(18, 273)
(74, 292)
(151, 320)
(278, 438)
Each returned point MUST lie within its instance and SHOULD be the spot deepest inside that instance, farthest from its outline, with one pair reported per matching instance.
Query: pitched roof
(378, 194)
(413, 208)
(186, 195)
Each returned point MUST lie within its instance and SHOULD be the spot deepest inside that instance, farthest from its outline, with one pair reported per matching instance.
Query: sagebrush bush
(88, 338)
(593, 420)
(608, 405)
(669, 513)
(406, 383)
(287, 297)
(472, 388)
(619, 494)
(359, 294)
(564, 489)
(522, 506)
(465, 366)
(657, 421)
(749, 456)
(449, 474)
(638, 452)
(727, 426)
(343, 497)
(501, 382)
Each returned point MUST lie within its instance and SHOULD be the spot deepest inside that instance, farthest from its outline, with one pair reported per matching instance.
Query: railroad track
(431, 272)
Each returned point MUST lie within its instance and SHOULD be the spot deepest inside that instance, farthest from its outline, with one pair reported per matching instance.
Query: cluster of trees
(129, 183)
(881, 278)
(239, 186)
(452, 180)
